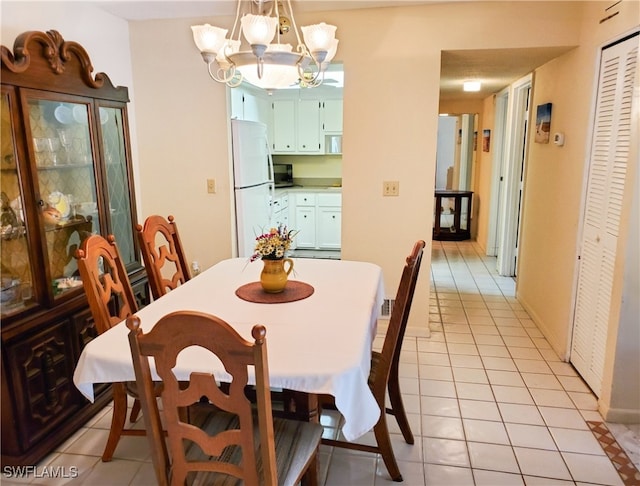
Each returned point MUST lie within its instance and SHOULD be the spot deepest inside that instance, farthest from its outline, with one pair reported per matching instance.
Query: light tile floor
(489, 402)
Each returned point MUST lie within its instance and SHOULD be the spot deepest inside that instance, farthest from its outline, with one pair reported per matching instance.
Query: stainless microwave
(283, 175)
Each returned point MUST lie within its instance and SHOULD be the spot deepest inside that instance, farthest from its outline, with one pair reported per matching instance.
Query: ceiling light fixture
(265, 64)
(471, 86)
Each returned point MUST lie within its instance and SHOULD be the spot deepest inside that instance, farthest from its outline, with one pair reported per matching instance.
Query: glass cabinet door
(66, 185)
(16, 269)
(114, 146)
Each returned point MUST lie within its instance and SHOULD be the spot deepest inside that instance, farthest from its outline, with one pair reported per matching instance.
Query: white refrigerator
(253, 182)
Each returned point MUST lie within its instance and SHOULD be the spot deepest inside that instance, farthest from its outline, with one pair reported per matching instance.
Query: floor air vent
(387, 307)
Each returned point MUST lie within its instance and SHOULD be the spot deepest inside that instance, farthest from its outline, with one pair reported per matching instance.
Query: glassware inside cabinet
(16, 270)
(113, 139)
(67, 184)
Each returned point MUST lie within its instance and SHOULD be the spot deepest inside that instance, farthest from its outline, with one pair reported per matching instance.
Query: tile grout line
(616, 454)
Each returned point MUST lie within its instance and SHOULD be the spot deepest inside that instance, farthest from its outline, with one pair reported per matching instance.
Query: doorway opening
(510, 160)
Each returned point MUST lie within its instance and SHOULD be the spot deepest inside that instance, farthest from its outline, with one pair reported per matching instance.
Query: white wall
(445, 157)
(623, 399)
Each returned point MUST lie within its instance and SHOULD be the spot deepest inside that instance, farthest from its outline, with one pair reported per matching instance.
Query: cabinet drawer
(330, 200)
(305, 199)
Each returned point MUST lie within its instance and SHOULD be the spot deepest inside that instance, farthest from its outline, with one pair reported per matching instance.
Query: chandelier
(265, 63)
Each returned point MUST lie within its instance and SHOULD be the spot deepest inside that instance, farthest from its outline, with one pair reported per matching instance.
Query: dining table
(319, 341)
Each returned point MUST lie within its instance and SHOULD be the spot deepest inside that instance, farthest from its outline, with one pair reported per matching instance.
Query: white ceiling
(496, 68)
(163, 9)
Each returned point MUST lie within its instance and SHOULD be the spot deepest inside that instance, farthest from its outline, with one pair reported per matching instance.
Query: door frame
(493, 230)
(515, 152)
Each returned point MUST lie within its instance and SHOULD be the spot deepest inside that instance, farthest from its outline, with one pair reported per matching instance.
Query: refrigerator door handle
(270, 158)
(272, 198)
(272, 185)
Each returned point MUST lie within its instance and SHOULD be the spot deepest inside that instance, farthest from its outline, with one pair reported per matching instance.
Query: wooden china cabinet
(65, 172)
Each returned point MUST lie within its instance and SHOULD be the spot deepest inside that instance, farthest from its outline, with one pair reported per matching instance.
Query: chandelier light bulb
(208, 38)
(259, 29)
(319, 37)
(266, 63)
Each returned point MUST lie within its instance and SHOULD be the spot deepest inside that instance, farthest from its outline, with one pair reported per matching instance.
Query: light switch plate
(211, 186)
(390, 188)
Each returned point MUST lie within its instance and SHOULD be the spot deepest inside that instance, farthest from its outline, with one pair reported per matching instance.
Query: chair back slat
(163, 254)
(106, 282)
(392, 344)
(172, 334)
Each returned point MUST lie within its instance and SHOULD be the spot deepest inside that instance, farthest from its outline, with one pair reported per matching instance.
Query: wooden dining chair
(163, 254)
(111, 300)
(226, 437)
(384, 376)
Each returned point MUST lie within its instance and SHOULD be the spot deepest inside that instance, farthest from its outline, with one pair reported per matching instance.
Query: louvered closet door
(610, 149)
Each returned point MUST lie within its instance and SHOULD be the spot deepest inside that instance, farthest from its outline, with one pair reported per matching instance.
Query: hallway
(491, 400)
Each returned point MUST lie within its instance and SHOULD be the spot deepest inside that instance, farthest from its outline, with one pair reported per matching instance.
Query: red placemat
(252, 292)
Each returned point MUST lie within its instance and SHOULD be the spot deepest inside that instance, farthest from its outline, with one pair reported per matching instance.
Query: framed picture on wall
(486, 140)
(543, 123)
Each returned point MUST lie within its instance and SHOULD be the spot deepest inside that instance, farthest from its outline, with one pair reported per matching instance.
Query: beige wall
(484, 172)
(183, 138)
(553, 198)
(391, 119)
(555, 178)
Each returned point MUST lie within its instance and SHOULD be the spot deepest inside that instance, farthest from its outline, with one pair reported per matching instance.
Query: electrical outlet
(211, 186)
(390, 188)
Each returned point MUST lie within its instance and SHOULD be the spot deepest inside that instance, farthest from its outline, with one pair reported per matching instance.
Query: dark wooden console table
(452, 222)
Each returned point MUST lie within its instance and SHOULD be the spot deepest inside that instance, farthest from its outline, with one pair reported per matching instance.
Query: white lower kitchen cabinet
(280, 211)
(329, 226)
(306, 226)
(318, 218)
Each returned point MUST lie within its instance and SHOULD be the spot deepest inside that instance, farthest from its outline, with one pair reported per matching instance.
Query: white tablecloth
(321, 344)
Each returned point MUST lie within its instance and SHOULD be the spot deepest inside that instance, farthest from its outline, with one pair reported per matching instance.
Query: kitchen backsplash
(317, 181)
(312, 166)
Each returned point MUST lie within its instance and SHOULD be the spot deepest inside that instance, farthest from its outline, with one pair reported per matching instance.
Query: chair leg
(118, 419)
(135, 411)
(397, 409)
(383, 440)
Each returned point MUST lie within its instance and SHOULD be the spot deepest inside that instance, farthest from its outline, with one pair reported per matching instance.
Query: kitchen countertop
(295, 189)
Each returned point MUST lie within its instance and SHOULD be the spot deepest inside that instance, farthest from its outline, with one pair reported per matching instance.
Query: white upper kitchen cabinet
(296, 126)
(332, 116)
(284, 126)
(236, 96)
(308, 127)
(247, 104)
(256, 108)
(300, 119)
